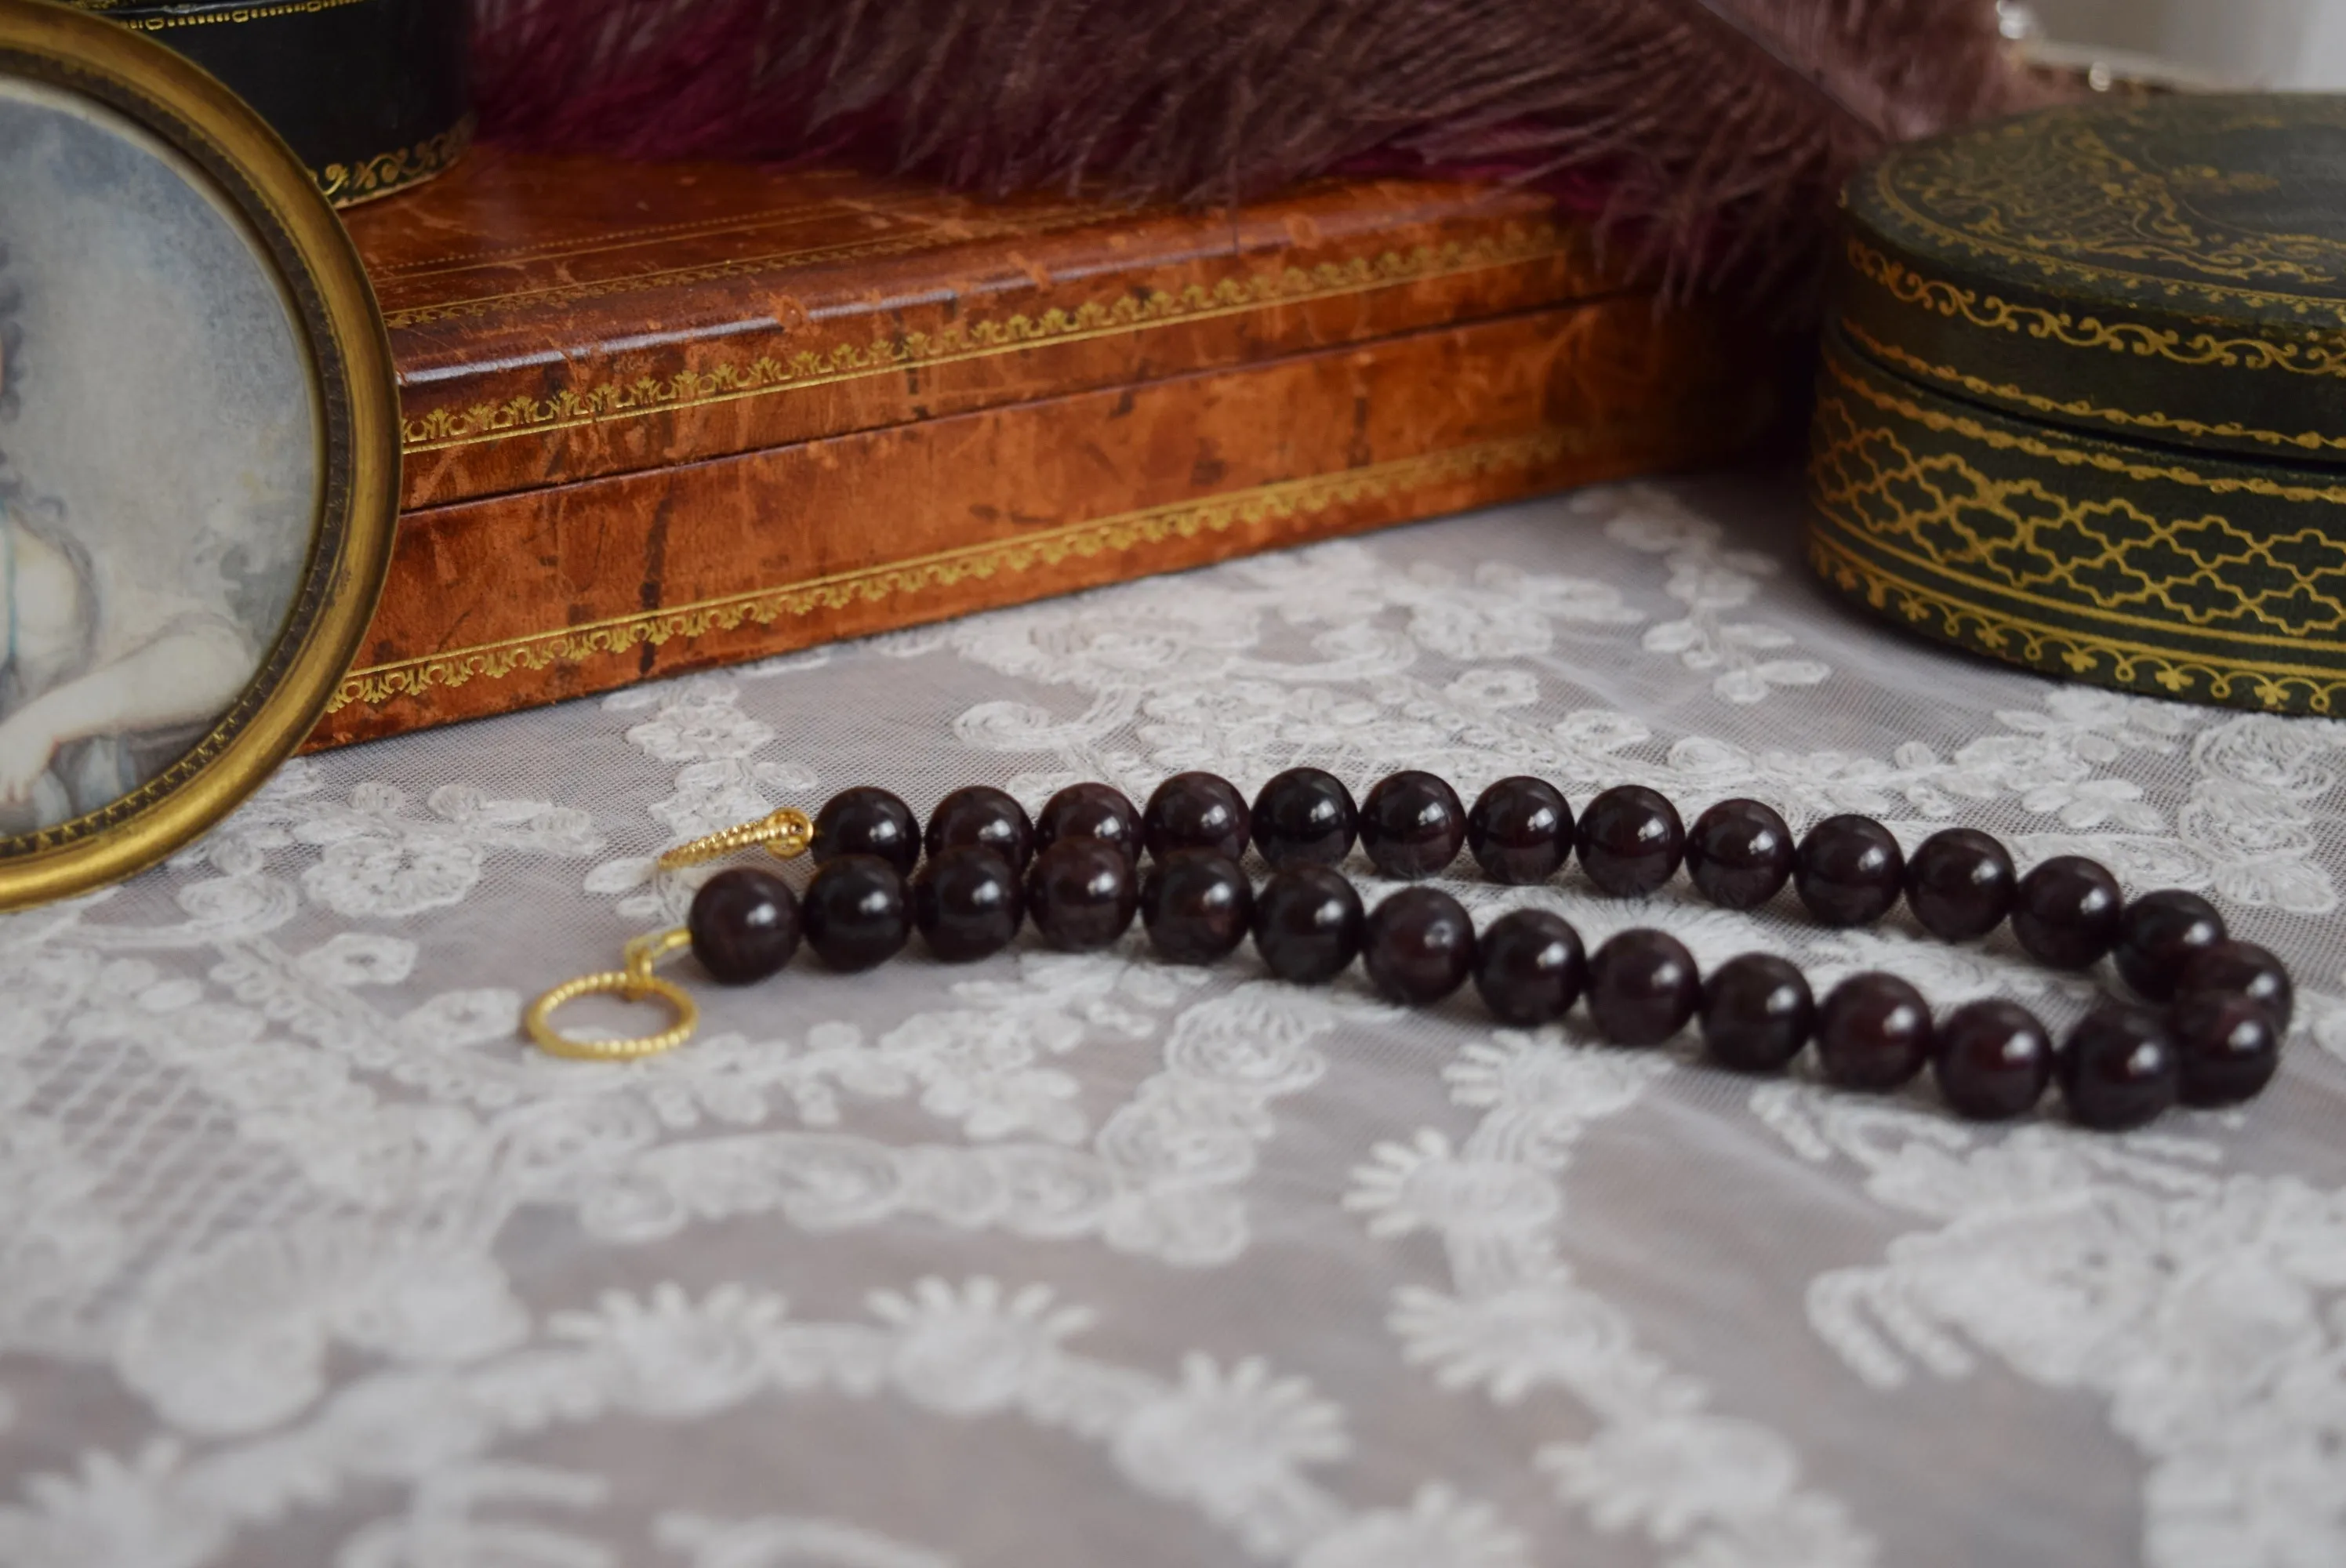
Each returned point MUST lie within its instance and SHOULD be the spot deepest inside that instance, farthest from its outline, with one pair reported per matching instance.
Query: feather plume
(1710, 135)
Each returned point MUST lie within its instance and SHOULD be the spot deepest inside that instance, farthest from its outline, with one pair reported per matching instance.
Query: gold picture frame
(159, 441)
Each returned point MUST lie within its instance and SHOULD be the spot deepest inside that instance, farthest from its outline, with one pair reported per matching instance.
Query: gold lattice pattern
(2106, 552)
(2111, 661)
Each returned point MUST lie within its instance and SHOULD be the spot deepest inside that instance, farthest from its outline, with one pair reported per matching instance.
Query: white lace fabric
(305, 1258)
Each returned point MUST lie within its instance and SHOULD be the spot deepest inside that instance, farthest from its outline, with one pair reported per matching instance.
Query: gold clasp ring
(784, 833)
(633, 984)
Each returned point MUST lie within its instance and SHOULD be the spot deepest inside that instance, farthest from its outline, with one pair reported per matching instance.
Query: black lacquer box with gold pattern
(374, 95)
(2082, 404)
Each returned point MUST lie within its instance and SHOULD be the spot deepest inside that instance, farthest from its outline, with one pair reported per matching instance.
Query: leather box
(663, 417)
(2082, 403)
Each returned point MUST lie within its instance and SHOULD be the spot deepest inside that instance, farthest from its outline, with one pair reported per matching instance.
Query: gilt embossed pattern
(2139, 200)
(307, 1259)
(2167, 269)
(2208, 580)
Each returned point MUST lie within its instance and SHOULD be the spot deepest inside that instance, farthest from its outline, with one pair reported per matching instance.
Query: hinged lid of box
(2169, 269)
(558, 320)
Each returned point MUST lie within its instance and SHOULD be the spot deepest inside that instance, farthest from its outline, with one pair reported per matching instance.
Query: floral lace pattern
(305, 1259)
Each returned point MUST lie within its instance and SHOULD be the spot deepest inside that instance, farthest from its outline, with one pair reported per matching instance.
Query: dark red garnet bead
(2118, 1069)
(1960, 884)
(1081, 894)
(1196, 812)
(1304, 817)
(857, 912)
(1419, 946)
(1992, 1059)
(1520, 830)
(1643, 986)
(1412, 824)
(1739, 853)
(1099, 811)
(1308, 924)
(744, 925)
(967, 903)
(1195, 904)
(1529, 967)
(866, 821)
(1757, 1012)
(2236, 968)
(1873, 1032)
(2066, 911)
(1849, 870)
(980, 814)
(2228, 1047)
(1630, 841)
(2158, 934)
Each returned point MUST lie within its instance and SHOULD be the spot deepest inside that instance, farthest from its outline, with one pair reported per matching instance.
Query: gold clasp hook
(785, 833)
(632, 983)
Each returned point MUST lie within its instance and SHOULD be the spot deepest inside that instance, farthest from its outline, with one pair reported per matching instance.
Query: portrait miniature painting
(160, 435)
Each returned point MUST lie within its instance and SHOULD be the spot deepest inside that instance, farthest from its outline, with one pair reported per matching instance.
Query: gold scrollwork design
(570, 407)
(348, 184)
(380, 685)
(1904, 284)
(2067, 193)
(2081, 408)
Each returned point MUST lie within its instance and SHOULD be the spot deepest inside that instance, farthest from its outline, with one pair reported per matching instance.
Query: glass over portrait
(161, 456)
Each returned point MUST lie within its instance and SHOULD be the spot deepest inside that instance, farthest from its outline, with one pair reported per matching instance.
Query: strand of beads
(2207, 1030)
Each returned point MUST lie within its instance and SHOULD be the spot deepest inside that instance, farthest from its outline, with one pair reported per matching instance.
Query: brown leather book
(662, 417)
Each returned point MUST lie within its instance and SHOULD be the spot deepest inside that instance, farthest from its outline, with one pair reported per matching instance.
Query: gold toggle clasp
(632, 983)
(785, 834)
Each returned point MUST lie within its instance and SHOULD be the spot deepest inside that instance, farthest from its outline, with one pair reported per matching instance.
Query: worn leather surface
(559, 319)
(665, 418)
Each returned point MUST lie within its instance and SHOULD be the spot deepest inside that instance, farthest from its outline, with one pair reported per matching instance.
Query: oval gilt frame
(257, 176)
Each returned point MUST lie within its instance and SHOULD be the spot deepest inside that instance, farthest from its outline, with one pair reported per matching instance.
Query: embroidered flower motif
(1438, 1529)
(1671, 1474)
(1231, 1441)
(1422, 1184)
(974, 1348)
(702, 726)
(675, 1358)
(1508, 1342)
(111, 1511)
(1494, 688)
(393, 877)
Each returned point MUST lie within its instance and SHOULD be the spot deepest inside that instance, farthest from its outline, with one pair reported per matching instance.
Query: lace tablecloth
(1050, 1260)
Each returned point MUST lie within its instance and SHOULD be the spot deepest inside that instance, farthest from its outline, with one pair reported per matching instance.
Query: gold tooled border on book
(350, 184)
(2018, 639)
(377, 686)
(440, 429)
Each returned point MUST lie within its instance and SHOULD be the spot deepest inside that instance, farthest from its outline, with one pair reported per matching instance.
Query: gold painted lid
(2167, 269)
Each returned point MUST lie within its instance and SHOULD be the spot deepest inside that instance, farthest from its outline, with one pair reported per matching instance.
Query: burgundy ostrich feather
(1714, 132)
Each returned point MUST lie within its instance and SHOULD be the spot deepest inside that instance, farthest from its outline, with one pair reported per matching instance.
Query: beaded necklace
(2207, 1029)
